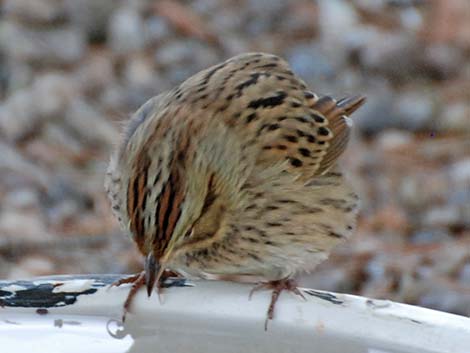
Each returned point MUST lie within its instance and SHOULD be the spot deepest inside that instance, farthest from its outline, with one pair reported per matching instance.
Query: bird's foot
(277, 287)
(138, 281)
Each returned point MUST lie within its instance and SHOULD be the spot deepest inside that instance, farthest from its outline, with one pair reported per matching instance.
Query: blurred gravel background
(71, 71)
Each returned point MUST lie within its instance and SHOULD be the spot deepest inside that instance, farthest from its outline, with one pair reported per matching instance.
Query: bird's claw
(277, 287)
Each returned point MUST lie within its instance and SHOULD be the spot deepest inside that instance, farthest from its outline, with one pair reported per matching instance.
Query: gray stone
(45, 46)
(18, 116)
(445, 299)
(156, 30)
(52, 93)
(454, 117)
(35, 12)
(464, 275)
(336, 18)
(90, 124)
(126, 31)
(460, 172)
(22, 198)
(377, 114)
(430, 236)
(95, 74)
(413, 110)
(184, 58)
(443, 216)
(309, 62)
(15, 163)
(91, 16)
(396, 55)
(443, 60)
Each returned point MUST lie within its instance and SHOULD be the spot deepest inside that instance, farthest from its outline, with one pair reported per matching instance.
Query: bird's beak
(151, 268)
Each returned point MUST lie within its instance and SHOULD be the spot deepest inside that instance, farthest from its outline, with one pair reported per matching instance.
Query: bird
(233, 175)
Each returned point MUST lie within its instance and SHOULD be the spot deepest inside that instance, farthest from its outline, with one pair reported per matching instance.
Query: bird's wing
(269, 106)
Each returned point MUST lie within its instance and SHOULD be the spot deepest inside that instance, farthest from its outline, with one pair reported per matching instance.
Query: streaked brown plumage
(232, 175)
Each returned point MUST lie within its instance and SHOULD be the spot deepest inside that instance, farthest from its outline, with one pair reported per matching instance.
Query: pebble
(21, 169)
(455, 117)
(35, 12)
(52, 93)
(31, 224)
(88, 123)
(310, 62)
(91, 16)
(33, 266)
(413, 110)
(156, 30)
(21, 199)
(443, 61)
(464, 275)
(378, 114)
(446, 299)
(430, 236)
(394, 55)
(18, 116)
(44, 46)
(460, 172)
(394, 139)
(125, 31)
(443, 216)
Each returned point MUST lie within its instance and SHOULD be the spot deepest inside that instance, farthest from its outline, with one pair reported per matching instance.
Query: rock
(21, 199)
(430, 236)
(464, 275)
(126, 31)
(443, 60)
(443, 216)
(18, 117)
(95, 74)
(460, 172)
(445, 299)
(35, 12)
(21, 168)
(156, 30)
(396, 55)
(411, 18)
(409, 110)
(25, 111)
(182, 58)
(310, 62)
(394, 139)
(139, 71)
(33, 266)
(377, 114)
(454, 117)
(413, 110)
(336, 18)
(91, 16)
(90, 124)
(18, 75)
(63, 201)
(28, 226)
(52, 94)
(45, 46)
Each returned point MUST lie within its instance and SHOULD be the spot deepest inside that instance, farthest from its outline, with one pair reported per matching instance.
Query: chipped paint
(378, 303)
(79, 285)
(323, 295)
(13, 288)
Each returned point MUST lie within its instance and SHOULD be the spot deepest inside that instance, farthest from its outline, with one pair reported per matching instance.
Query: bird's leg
(277, 287)
(136, 285)
(152, 275)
